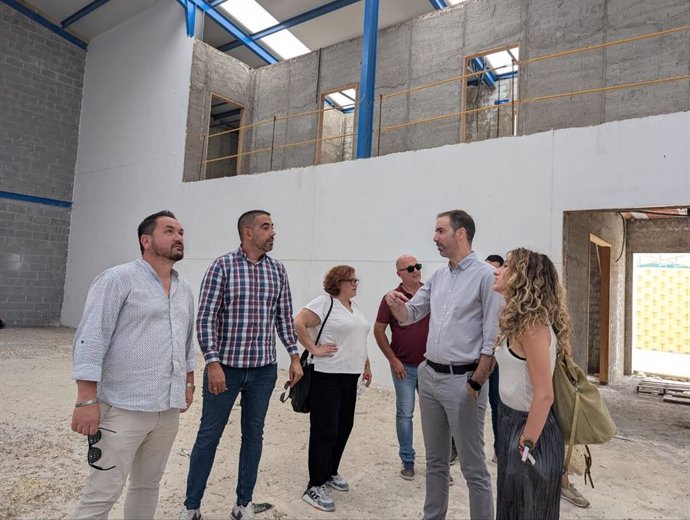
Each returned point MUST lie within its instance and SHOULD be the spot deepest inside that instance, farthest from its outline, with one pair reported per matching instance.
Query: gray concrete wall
(215, 73)
(40, 100)
(650, 236)
(583, 302)
(433, 48)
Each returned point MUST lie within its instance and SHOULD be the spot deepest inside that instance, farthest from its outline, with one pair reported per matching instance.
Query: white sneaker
(190, 514)
(318, 497)
(338, 483)
(243, 512)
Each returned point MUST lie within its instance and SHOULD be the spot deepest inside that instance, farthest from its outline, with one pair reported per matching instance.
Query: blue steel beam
(45, 23)
(488, 77)
(367, 83)
(37, 200)
(190, 18)
(231, 28)
(438, 4)
(82, 13)
(291, 22)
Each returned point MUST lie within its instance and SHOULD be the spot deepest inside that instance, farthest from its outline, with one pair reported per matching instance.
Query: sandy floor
(641, 474)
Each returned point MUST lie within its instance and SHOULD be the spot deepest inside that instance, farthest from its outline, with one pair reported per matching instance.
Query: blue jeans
(404, 409)
(256, 386)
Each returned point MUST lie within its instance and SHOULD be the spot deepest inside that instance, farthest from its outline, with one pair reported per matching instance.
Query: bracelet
(86, 403)
(191, 385)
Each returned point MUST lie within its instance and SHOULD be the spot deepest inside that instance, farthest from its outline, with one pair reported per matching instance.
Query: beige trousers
(139, 448)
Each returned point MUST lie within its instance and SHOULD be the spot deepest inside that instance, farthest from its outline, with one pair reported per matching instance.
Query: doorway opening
(661, 314)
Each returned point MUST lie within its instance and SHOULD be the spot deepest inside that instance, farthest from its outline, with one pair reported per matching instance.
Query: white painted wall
(132, 131)
(364, 213)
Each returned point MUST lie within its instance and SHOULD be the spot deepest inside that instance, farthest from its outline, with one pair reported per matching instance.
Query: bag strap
(323, 323)
(573, 427)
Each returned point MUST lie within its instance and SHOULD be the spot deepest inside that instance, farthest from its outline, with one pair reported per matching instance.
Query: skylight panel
(342, 99)
(286, 44)
(502, 61)
(255, 18)
(251, 15)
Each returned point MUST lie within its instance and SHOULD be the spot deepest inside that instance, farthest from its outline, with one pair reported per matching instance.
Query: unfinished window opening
(337, 126)
(490, 93)
(223, 140)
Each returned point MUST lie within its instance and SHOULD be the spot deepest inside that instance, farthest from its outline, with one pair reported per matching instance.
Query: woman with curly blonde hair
(534, 326)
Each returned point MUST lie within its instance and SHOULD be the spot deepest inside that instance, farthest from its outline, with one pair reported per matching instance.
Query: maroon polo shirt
(408, 343)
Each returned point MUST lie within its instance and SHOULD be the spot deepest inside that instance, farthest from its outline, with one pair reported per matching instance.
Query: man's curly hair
(534, 296)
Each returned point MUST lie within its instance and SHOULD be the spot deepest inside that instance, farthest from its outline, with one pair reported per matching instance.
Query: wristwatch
(474, 385)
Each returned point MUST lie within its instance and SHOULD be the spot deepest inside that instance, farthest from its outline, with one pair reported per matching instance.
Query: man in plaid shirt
(244, 296)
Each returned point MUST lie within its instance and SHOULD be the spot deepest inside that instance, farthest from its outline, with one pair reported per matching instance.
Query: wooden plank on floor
(676, 400)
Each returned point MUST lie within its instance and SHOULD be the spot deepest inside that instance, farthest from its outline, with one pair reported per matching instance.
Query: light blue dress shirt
(464, 312)
(136, 341)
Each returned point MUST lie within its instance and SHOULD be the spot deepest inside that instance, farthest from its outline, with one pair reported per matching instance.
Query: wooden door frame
(604, 259)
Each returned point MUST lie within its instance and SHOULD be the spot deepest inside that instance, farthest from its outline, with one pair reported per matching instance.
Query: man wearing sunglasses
(463, 309)
(404, 352)
(134, 368)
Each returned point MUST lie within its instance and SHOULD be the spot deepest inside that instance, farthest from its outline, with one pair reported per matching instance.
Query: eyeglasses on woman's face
(353, 281)
(411, 268)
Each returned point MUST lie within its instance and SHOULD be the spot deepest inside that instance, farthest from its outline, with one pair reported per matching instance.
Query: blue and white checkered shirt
(240, 305)
(135, 341)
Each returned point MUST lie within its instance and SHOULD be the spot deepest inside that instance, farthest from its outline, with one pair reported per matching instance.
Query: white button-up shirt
(136, 341)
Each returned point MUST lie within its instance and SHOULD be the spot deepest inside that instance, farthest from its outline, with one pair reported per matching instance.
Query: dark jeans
(256, 386)
(333, 398)
(494, 399)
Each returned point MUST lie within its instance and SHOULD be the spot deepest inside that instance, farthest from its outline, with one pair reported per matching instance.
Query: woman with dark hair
(339, 358)
(534, 326)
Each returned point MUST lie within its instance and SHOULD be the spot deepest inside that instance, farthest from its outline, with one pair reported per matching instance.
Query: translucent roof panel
(344, 99)
(254, 18)
(502, 61)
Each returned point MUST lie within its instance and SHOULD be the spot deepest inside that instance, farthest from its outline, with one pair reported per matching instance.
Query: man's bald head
(403, 261)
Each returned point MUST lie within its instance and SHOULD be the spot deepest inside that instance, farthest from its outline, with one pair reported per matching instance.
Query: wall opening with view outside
(224, 139)
(490, 90)
(337, 126)
(661, 314)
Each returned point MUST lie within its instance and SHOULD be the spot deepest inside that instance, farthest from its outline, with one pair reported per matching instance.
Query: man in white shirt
(134, 368)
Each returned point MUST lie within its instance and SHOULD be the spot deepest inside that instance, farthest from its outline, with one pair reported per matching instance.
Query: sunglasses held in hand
(286, 394)
(94, 454)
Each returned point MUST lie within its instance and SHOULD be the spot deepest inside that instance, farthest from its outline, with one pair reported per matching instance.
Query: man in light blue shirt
(134, 368)
(463, 325)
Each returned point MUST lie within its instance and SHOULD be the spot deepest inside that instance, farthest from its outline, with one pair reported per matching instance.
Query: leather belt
(451, 369)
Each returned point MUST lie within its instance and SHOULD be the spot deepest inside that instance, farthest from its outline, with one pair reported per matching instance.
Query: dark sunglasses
(94, 454)
(411, 268)
(287, 391)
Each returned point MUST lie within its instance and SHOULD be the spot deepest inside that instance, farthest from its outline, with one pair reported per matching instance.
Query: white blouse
(514, 384)
(348, 330)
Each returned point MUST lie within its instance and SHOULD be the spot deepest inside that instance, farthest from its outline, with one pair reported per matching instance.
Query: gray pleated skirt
(524, 491)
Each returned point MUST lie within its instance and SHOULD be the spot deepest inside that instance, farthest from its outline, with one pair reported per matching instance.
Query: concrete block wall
(582, 301)
(40, 101)
(212, 73)
(434, 47)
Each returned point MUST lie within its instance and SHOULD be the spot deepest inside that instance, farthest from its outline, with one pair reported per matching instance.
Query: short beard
(173, 254)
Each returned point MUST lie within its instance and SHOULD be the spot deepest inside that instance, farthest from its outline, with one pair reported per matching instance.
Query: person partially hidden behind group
(494, 261)
(534, 325)
(339, 359)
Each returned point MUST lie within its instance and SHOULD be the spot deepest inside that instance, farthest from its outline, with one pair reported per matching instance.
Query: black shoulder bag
(299, 394)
